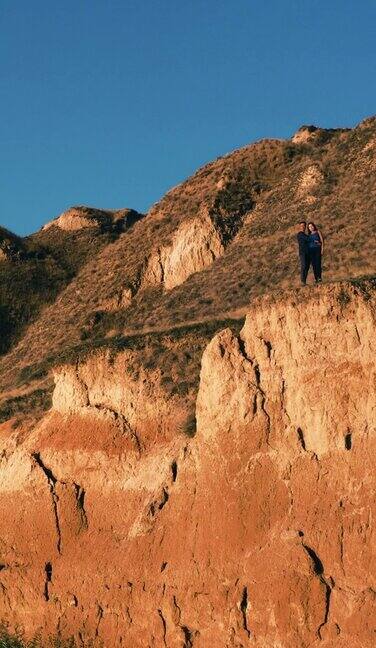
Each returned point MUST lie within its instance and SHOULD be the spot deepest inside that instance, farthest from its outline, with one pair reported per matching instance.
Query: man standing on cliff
(303, 239)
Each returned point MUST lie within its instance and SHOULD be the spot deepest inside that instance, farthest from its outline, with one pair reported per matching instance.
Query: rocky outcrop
(73, 219)
(311, 380)
(200, 240)
(304, 134)
(290, 409)
(194, 246)
(258, 531)
(118, 390)
(82, 217)
(312, 133)
(309, 180)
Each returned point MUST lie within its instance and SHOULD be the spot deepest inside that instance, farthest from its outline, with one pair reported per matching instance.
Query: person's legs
(307, 264)
(316, 263)
(304, 267)
(319, 265)
(303, 274)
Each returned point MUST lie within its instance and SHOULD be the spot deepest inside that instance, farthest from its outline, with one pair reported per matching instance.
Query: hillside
(35, 270)
(187, 434)
(203, 252)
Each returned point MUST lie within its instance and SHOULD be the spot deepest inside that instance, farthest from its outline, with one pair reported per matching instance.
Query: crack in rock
(318, 569)
(174, 470)
(48, 580)
(301, 438)
(348, 441)
(79, 494)
(164, 625)
(158, 505)
(260, 397)
(243, 606)
(52, 481)
(188, 637)
(80, 502)
(124, 426)
(256, 369)
(100, 614)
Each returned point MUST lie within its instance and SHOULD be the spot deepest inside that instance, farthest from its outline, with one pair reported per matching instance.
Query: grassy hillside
(34, 270)
(255, 196)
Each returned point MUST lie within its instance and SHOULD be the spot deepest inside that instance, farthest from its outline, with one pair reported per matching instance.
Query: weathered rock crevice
(243, 608)
(80, 500)
(318, 569)
(63, 495)
(52, 481)
(48, 580)
(174, 471)
(188, 637)
(164, 626)
(301, 439)
(158, 504)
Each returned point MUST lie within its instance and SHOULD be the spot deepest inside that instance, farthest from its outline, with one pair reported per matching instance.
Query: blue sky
(112, 103)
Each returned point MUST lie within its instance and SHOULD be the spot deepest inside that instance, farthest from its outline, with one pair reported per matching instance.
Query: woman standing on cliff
(316, 249)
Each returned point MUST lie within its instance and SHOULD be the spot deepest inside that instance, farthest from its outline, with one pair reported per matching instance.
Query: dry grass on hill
(257, 193)
(49, 261)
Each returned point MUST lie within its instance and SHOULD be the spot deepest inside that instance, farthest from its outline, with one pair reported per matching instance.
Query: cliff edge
(235, 511)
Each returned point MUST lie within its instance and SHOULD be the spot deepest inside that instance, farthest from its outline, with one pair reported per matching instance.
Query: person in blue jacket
(316, 249)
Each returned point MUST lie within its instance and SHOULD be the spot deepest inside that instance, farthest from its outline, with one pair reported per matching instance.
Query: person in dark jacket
(316, 249)
(303, 248)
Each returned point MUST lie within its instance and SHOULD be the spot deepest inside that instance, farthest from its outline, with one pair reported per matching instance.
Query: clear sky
(110, 103)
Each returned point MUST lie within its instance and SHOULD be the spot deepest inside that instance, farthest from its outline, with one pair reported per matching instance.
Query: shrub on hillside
(16, 641)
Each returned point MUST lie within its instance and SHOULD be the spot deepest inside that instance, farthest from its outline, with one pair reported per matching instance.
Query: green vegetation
(36, 401)
(190, 425)
(17, 641)
(233, 201)
(343, 297)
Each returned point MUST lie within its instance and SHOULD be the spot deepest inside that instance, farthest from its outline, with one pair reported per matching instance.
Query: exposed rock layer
(82, 217)
(195, 245)
(256, 532)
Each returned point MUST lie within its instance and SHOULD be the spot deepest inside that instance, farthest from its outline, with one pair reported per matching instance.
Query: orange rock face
(117, 528)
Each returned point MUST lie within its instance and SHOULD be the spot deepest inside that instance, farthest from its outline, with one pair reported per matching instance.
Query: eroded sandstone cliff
(257, 531)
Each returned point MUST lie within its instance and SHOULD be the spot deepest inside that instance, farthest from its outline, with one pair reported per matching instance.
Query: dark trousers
(304, 266)
(315, 259)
